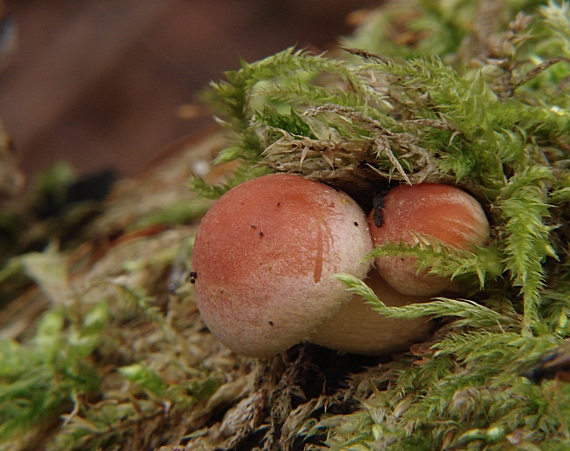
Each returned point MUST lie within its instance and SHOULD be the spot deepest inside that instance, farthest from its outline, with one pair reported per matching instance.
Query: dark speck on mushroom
(271, 323)
(356, 223)
(260, 234)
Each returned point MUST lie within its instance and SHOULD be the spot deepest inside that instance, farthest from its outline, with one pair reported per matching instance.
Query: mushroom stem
(357, 328)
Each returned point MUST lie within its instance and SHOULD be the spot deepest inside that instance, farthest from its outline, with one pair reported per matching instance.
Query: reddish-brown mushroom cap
(444, 212)
(265, 256)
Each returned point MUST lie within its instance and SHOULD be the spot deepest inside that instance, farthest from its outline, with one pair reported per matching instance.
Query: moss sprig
(42, 377)
(527, 241)
(474, 267)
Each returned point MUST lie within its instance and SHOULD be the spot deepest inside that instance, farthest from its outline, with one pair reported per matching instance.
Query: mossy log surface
(102, 346)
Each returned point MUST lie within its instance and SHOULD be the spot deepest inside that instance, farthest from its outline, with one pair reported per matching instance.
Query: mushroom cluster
(266, 254)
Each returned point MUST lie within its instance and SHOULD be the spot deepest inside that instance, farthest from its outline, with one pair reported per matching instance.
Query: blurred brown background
(98, 83)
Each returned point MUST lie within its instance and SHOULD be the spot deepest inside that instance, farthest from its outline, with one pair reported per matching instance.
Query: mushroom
(357, 328)
(265, 257)
(443, 212)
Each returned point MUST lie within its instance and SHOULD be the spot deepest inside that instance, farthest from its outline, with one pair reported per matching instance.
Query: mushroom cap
(265, 256)
(445, 212)
(357, 328)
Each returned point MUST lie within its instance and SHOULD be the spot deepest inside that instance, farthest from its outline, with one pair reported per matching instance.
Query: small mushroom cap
(445, 212)
(357, 328)
(265, 256)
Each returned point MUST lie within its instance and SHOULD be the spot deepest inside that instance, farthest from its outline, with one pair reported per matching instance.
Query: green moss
(39, 378)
